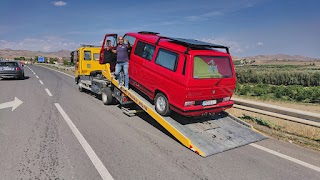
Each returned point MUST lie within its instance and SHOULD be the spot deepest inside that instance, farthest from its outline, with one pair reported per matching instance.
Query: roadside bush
(290, 93)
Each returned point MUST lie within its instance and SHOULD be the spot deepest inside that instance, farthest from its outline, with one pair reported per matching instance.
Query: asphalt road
(61, 133)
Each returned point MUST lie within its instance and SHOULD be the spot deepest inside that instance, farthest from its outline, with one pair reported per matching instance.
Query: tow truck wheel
(80, 87)
(106, 96)
(162, 104)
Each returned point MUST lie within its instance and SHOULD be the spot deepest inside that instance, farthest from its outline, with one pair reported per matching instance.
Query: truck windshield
(211, 67)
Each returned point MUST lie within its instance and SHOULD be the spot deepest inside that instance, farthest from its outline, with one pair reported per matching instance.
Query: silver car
(11, 69)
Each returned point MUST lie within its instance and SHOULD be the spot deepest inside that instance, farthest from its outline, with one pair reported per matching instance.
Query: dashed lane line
(48, 92)
(41, 82)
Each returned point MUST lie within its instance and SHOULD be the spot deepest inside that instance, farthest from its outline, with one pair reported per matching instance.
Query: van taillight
(189, 103)
(18, 69)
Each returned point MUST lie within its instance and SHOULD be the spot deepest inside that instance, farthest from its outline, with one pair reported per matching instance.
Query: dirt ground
(292, 132)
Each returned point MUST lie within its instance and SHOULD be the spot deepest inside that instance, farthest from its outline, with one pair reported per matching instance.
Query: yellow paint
(91, 63)
(172, 130)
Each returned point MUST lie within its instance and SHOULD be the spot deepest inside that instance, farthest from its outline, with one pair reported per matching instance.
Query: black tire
(162, 105)
(21, 77)
(106, 96)
(76, 79)
(80, 87)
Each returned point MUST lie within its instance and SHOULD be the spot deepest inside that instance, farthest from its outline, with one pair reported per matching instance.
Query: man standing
(122, 61)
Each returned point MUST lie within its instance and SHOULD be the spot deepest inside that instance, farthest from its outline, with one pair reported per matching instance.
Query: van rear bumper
(203, 110)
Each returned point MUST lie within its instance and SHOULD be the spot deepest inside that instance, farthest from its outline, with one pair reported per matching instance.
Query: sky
(248, 27)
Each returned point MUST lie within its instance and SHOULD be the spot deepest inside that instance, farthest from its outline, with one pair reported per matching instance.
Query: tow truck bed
(205, 135)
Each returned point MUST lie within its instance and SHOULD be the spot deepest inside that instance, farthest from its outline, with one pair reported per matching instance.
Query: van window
(211, 67)
(167, 59)
(130, 38)
(144, 50)
(87, 55)
(96, 56)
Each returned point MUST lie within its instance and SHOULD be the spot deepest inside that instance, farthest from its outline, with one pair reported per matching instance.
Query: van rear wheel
(162, 105)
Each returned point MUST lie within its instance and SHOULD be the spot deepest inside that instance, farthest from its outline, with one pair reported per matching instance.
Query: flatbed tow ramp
(206, 135)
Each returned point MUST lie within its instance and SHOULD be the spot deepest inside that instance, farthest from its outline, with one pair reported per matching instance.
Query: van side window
(167, 59)
(144, 50)
(87, 55)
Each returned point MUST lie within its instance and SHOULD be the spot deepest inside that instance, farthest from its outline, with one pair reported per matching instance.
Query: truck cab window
(87, 55)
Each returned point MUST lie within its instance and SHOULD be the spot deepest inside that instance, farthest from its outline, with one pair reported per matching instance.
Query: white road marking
(41, 82)
(104, 173)
(286, 157)
(49, 93)
(37, 77)
(34, 73)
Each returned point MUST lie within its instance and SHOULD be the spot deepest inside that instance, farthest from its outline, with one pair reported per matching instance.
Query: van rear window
(211, 67)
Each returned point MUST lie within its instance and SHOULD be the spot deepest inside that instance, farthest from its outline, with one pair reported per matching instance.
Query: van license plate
(209, 102)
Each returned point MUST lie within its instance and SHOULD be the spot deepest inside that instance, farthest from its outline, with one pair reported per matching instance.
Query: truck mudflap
(205, 135)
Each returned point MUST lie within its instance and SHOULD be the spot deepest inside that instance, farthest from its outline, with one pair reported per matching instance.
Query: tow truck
(205, 135)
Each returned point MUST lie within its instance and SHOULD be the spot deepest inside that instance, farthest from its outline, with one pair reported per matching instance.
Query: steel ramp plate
(211, 134)
(215, 134)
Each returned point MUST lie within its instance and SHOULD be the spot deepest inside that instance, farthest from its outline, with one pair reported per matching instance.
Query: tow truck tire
(76, 79)
(106, 96)
(80, 87)
(162, 105)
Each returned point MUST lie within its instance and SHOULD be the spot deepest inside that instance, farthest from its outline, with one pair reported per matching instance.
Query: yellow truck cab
(86, 59)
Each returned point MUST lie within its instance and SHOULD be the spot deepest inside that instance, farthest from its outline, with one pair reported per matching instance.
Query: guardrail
(304, 117)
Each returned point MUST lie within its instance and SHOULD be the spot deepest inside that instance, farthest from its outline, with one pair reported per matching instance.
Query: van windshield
(211, 67)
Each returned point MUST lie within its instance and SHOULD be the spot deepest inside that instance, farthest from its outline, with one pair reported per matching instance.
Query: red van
(187, 76)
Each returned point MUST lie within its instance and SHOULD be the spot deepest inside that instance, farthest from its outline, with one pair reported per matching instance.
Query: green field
(299, 83)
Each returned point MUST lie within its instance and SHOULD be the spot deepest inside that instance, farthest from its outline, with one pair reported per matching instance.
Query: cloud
(260, 43)
(59, 3)
(234, 46)
(204, 16)
(46, 44)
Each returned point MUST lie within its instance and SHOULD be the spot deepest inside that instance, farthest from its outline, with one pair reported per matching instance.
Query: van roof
(178, 44)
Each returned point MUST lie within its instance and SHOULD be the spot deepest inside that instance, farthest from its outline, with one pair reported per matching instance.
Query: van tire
(106, 96)
(162, 105)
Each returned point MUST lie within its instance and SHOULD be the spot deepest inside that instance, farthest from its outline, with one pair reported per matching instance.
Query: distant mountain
(10, 54)
(280, 57)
